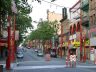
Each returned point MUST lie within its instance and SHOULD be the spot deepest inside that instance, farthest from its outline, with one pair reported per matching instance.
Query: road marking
(38, 67)
(48, 66)
(24, 62)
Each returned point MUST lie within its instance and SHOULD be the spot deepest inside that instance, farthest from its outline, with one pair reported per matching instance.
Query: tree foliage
(23, 20)
(43, 32)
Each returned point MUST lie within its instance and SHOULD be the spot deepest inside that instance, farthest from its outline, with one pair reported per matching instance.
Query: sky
(40, 10)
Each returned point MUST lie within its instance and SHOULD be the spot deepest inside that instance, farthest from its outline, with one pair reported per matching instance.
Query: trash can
(1, 68)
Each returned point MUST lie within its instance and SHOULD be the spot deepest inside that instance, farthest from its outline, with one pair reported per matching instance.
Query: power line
(55, 4)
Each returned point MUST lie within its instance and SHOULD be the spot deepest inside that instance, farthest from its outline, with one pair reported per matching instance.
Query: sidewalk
(87, 63)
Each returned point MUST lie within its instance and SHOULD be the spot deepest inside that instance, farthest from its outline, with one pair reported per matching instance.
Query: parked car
(20, 52)
(20, 55)
(40, 53)
(53, 53)
(28, 47)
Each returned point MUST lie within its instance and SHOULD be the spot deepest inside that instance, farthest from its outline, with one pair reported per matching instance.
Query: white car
(40, 53)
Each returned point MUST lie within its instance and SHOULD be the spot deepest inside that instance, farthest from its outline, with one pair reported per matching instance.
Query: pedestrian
(47, 56)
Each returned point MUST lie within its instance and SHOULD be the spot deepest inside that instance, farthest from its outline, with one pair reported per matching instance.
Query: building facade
(64, 36)
(92, 19)
(52, 16)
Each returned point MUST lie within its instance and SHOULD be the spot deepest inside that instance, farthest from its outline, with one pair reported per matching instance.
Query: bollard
(71, 60)
(66, 62)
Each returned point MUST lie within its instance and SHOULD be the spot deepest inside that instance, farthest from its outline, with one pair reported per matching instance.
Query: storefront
(3, 49)
(92, 43)
(93, 48)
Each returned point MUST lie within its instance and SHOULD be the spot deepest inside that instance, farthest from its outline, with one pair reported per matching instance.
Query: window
(91, 20)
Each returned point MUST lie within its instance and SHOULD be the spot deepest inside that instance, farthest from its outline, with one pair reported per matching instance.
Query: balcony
(85, 5)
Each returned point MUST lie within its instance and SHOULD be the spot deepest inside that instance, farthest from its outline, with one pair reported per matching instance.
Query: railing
(84, 3)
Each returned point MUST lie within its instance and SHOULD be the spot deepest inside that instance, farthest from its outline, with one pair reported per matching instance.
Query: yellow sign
(87, 42)
(76, 43)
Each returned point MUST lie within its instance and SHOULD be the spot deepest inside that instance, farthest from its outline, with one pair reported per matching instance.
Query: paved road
(54, 68)
(30, 55)
(32, 63)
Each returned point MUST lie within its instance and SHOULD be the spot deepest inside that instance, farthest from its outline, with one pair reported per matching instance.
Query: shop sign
(76, 43)
(87, 42)
(5, 34)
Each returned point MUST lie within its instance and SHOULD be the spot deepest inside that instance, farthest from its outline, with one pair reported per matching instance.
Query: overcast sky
(39, 10)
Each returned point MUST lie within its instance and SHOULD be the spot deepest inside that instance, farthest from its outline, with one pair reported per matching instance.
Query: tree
(23, 20)
(45, 31)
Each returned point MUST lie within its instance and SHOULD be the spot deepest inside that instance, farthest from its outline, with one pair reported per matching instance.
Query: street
(48, 35)
(32, 63)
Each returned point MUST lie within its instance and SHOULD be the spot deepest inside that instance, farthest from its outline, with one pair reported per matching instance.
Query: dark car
(53, 53)
(20, 53)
